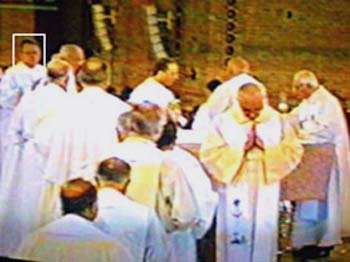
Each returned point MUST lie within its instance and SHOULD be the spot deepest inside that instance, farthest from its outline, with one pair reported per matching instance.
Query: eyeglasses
(304, 85)
(31, 53)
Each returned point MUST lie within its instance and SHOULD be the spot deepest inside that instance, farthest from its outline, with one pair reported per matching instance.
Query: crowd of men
(86, 176)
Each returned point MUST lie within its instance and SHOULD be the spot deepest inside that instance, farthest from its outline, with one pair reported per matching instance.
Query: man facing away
(139, 130)
(248, 150)
(27, 146)
(86, 130)
(74, 237)
(132, 224)
(75, 56)
(186, 202)
(85, 133)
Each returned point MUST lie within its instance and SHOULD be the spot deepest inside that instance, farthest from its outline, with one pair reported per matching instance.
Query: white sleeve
(157, 246)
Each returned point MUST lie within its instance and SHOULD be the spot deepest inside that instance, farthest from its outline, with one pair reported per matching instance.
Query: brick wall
(285, 36)
(13, 21)
(277, 37)
(133, 58)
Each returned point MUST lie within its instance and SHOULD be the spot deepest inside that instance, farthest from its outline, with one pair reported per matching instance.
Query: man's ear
(126, 184)
(98, 181)
(90, 213)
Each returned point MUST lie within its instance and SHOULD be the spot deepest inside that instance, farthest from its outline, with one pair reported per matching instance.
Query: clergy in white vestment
(187, 202)
(139, 130)
(74, 237)
(132, 224)
(75, 56)
(248, 150)
(28, 144)
(320, 121)
(225, 95)
(17, 80)
(154, 90)
(23, 76)
(85, 133)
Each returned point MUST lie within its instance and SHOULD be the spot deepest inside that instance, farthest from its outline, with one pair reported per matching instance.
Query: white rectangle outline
(43, 35)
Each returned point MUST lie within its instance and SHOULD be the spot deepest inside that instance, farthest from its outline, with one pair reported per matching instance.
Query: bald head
(94, 71)
(57, 69)
(114, 170)
(79, 197)
(238, 65)
(73, 54)
(251, 100)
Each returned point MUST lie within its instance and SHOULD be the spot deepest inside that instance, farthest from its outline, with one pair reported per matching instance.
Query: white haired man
(319, 223)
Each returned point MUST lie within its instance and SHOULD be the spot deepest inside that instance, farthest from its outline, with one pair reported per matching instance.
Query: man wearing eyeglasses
(319, 222)
(19, 79)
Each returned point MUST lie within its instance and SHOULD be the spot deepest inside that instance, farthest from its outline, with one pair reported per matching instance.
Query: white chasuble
(248, 182)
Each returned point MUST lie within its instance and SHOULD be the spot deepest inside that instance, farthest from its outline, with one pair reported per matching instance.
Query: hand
(251, 138)
(249, 144)
(259, 143)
